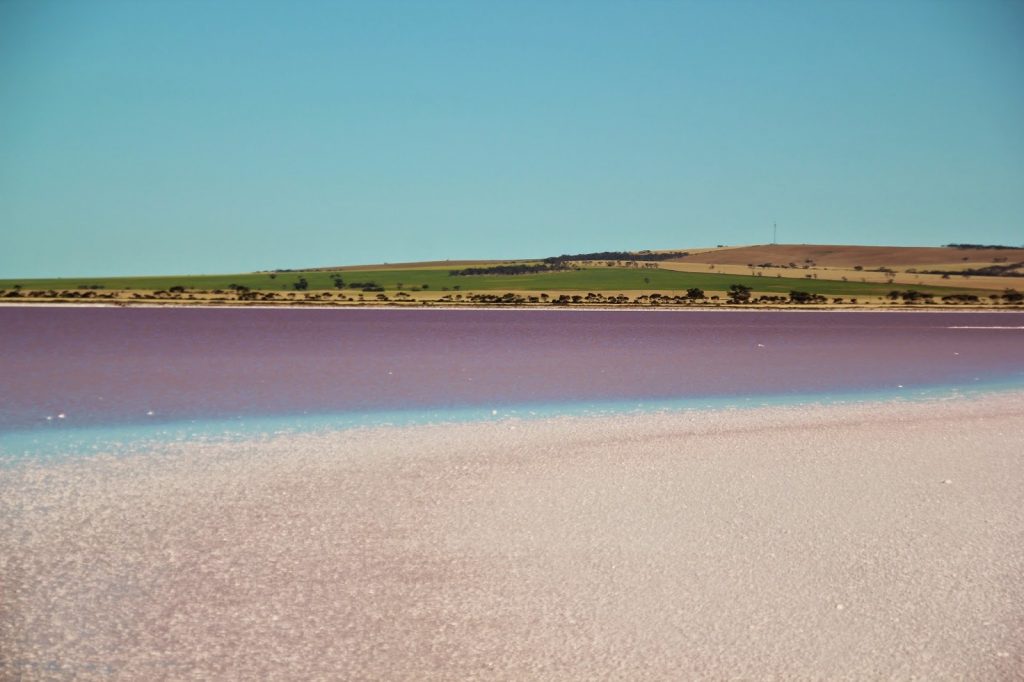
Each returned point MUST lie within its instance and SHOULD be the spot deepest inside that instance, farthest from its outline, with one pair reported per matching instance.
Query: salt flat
(843, 541)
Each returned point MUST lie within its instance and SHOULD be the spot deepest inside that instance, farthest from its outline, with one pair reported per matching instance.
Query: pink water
(102, 366)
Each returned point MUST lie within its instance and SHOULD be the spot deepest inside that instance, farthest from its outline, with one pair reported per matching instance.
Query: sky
(144, 137)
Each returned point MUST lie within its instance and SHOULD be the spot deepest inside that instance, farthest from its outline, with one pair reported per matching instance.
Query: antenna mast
(775, 233)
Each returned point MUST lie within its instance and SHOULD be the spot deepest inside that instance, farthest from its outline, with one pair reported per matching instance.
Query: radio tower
(775, 233)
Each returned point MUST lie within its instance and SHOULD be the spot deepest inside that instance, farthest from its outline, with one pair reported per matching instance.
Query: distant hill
(820, 255)
(773, 274)
(843, 256)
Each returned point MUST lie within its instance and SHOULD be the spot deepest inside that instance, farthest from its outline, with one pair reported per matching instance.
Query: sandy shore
(880, 540)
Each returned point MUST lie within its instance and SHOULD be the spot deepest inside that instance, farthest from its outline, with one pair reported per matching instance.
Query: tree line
(617, 255)
(980, 246)
(519, 269)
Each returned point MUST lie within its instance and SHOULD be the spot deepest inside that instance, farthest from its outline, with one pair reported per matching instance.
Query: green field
(588, 279)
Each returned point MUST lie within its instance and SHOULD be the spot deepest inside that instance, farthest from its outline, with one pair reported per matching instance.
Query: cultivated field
(840, 256)
(915, 267)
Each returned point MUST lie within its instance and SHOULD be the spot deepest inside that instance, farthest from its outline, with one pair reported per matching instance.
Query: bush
(739, 293)
(960, 298)
(805, 297)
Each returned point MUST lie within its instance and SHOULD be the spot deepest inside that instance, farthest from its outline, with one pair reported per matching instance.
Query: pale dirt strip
(860, 541)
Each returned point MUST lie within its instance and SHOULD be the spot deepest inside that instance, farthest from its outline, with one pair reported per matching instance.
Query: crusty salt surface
(824, 541)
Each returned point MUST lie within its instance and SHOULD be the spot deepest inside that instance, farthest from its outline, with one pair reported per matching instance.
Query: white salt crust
(879, 540)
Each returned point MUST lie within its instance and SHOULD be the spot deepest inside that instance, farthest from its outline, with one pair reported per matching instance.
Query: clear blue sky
(182, 137)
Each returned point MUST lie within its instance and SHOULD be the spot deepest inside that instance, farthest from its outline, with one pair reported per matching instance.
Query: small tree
(739, 293)
(695, 293)
(301, 285)
(801, 297)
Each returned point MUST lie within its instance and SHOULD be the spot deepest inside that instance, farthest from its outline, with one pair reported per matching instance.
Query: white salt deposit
(806, 542)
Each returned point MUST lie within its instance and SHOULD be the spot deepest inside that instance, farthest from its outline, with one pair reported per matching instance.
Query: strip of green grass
(588, 279)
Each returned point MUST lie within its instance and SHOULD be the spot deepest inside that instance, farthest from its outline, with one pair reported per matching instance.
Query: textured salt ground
(882, 540)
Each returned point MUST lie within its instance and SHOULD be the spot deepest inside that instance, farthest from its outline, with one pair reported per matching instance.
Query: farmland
(434, 279)
(774, 274)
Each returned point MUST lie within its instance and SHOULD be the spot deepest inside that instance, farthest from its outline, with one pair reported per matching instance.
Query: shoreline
(866, 540)
(852, 308)
(47, 440)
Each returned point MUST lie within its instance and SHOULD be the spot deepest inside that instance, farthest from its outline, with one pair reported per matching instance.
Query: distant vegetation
(980, 246)
(804, 297)
(1008, 270)
(1012, 296)
(737, 295)
(618, 256)
(519, 269)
